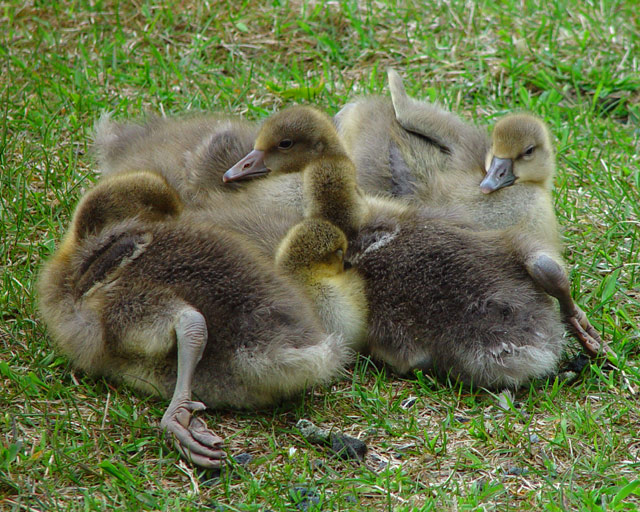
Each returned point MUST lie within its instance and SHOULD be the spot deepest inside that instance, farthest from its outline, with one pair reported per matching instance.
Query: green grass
(72, 443)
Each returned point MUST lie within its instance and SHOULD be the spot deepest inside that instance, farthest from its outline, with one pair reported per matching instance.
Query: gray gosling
(442, 296)
(144, 292)
(427, 155)
(191, 152)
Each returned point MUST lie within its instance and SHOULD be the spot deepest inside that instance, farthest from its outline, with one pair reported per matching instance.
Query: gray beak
(249, 167)
(499, 175)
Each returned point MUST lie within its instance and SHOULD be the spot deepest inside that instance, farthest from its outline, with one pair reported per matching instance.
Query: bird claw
(589, 338)
(191, 436)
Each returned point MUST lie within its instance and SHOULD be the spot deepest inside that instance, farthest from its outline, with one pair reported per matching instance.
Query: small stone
(533, 438)
(243, 458)
(307, 502)
(516, 471)
(347, 447)
(304, 497)
(312, 432)
(408, 403)
(576, 364)
(462, 419)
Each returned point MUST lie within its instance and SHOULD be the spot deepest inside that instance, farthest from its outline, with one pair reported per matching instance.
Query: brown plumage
(335, 196)
(172, 305)
(442, 295)
(502, 182)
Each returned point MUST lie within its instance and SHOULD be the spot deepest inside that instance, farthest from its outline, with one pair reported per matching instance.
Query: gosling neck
(331, 192)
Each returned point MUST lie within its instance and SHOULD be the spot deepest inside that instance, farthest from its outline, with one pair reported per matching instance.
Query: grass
(72, 443)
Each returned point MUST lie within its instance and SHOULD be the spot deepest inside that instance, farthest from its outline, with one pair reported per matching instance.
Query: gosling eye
(340, 254)
(528, 153)
(285, 144)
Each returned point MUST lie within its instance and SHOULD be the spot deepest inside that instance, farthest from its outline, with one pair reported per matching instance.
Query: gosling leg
(549, 274)
(190, 435)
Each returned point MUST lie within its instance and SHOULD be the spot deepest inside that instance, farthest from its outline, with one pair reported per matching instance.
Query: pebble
(243, 458)
(346, 447)
(516, 471)
(305, 497)
(312, 432)
(408, 403)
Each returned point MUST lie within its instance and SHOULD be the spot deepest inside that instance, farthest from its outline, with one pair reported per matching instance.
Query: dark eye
(529, 151)
(285, 144)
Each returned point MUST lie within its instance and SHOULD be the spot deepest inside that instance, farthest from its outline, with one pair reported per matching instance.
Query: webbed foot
(589, 338)
(191, 436)
(550, 275)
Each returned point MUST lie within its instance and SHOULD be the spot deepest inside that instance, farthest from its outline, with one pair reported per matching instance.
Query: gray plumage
(502, 182)
(442, 294)
(191, 152)
(454, 301)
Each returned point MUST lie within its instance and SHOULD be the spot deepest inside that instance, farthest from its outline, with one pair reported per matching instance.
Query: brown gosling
(165, 301)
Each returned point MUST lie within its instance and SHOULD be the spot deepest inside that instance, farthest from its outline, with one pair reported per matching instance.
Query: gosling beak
(499, 175)
(249, 167)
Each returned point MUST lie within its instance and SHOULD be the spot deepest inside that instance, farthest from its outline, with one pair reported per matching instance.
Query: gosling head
(521, 152)
(314, 247)
(136, 194)
(286, 142)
